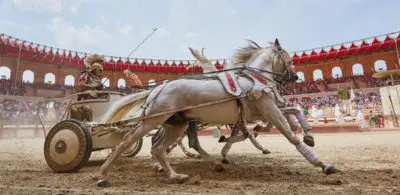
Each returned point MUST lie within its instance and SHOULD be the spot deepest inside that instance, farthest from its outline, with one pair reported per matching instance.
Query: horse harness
(229, 79)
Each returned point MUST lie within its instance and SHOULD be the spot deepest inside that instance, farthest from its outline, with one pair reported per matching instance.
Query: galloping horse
(288, 112)
(255, 66)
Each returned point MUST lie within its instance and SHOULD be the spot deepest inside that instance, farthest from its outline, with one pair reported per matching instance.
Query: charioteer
(90, 78)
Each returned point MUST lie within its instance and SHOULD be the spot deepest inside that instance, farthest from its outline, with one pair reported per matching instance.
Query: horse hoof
(180, 178)
(103, 183)
(309, 140)
(222, 139)
(331, 170)
(219, 168)
(266, 151)
(225, 161)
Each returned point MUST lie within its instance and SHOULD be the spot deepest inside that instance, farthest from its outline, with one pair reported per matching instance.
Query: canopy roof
(371, 44)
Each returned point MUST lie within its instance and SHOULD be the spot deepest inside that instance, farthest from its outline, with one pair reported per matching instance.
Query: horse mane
(244, 54)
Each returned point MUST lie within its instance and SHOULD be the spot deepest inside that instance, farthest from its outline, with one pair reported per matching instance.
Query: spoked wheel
(134, 149)
(68, 146)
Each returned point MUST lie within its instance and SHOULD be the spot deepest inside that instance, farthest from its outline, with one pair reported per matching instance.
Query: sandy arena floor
(370, 163)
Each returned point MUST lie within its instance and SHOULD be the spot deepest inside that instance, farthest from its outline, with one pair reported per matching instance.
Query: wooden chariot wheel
(68, 146)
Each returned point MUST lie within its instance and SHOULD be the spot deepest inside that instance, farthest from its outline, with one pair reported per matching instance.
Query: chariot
(73, 130)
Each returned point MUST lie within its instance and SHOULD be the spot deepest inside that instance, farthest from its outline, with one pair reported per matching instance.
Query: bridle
(280, 78)
(286, 76)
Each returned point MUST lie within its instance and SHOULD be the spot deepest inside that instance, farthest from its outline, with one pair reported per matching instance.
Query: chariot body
(76, 133)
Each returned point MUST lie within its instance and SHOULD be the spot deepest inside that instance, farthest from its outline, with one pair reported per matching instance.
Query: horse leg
(292, 123)
(259, 128)
(155, 161)
(171, 147)
(195, 144)
(186, 151)
(172, 134)
(258, 145)
(305, 125)
(272, 113)
(229, 142)
(246, 134)
(156, 164)
(129, 138)
(217, 165)
(307, 128)
(183, 148)
(154, 139)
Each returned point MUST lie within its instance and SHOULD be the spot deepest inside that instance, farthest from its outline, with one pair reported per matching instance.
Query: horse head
(273, 61)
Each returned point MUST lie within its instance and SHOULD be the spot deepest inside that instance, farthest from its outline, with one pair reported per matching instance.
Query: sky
(220, 26)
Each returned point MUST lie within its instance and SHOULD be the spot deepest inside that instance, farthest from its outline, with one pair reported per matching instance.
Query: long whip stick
(141, 43)
(137, 47)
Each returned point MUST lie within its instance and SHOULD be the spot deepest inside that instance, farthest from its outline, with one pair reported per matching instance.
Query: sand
(370, 164)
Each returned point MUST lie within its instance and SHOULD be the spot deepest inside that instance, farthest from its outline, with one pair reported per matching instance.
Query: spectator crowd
(17, 111)
(360, 100)
(8, 87)
(25, 112)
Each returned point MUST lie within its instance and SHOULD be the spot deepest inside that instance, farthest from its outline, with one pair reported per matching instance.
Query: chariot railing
(53, 110)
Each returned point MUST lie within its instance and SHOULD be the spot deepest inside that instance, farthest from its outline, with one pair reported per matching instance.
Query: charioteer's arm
(83, 84)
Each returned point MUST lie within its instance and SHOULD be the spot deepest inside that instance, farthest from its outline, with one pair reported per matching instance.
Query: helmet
(97, 69)
(92, 59)
(96, 66)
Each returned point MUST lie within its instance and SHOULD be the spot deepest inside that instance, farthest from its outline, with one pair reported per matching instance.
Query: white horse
(208, 67)
(288, 112)
(180, 97)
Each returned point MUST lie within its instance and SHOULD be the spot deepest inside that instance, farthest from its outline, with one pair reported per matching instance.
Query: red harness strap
(256, 76)
(230, 81)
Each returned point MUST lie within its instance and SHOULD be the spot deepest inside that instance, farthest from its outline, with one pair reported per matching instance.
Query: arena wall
(367, 61)
(346, 64)
(366, 53)
(60, 72)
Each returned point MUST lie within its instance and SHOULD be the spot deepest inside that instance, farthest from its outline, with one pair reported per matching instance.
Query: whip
(141, 43)
(136, 48)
